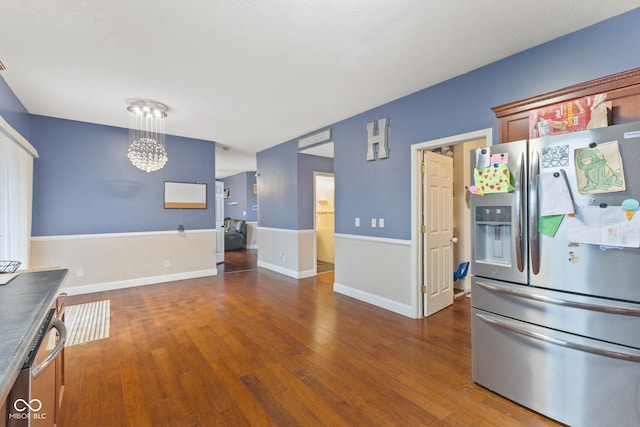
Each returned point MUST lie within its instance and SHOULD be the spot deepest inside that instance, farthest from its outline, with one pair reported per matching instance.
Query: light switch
(357, 222)
(373, 223)
(381, 222)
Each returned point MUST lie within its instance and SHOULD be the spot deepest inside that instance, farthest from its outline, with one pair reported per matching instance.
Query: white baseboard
(376, 300)
(110, 286)
(286, 271)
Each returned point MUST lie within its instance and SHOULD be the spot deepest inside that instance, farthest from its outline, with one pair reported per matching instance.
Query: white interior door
(437, 209)
(219, 221)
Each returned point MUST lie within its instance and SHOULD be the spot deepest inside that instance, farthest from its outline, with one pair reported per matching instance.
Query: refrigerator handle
(630, 356)
(534, 243)
(558, 301)
(518, 213)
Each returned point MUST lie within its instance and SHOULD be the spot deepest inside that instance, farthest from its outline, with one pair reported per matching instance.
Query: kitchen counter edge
(38, 292)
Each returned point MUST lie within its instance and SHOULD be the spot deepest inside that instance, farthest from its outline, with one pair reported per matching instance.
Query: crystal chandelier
(146, 134)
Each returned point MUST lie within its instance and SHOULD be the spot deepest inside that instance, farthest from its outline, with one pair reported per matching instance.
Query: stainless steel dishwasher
(32, 400)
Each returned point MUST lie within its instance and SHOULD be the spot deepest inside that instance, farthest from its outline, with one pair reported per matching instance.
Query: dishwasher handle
(62, 330)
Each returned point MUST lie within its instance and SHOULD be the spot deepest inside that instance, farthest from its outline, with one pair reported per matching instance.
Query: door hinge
(423, 168)
(423, 229)
(423, 289)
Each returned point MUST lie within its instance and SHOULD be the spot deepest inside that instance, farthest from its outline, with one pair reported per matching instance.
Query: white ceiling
(252, 74)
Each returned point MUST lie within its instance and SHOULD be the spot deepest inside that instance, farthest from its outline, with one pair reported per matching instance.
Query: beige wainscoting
(252, 235)
(375, 270)
(289, 252)
(98, 262)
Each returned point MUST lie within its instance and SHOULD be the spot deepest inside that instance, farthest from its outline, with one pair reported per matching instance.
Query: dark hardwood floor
(239, 260)
(258, 348)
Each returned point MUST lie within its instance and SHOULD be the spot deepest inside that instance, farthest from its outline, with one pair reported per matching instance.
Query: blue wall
(241, 191)
(285, 186)
(85, 184)
(278, 186)
(381, 189)
(12, 110)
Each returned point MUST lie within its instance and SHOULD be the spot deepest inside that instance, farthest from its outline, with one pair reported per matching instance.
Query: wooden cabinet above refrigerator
(622, 89)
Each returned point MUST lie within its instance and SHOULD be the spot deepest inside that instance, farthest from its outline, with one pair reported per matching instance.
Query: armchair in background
(235, 232)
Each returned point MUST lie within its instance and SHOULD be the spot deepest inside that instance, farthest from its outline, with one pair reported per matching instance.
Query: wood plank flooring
(239, 260)
(258, 348)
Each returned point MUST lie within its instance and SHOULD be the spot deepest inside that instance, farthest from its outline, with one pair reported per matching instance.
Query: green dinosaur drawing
(599, 175)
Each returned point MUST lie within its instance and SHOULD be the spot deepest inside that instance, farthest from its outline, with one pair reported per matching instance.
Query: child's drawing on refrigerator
(599, 169)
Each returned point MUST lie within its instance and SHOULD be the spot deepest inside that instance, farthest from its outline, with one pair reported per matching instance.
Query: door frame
(416, 205)
(317, 174)
(219, 211)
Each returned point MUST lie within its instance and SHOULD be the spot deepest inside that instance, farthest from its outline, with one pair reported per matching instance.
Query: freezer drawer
(572, 379)
(613, 321)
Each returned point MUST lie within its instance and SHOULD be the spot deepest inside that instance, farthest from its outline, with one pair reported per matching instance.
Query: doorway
(324, 221)
(459, 147)
(219, 222)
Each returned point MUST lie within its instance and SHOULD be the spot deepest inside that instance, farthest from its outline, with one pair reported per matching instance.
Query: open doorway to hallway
(242, 259)
(459, 148)
(324, 222)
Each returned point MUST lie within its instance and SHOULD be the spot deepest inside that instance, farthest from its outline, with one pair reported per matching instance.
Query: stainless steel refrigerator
(556, 276)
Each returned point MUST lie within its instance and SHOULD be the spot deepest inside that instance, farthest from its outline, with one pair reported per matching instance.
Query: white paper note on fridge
(554, 194)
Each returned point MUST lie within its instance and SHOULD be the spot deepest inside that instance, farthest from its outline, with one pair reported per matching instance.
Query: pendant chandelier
(146, 134)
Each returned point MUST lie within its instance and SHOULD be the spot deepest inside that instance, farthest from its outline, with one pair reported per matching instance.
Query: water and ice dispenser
(493, 238)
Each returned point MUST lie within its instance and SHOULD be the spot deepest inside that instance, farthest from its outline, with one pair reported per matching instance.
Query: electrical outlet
(167, 263)
(357, 222)
(373, 223)
(282, 256)
(79, 272)
(381, 222)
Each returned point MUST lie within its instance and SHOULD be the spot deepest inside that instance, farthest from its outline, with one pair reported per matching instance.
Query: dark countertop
(24, 303)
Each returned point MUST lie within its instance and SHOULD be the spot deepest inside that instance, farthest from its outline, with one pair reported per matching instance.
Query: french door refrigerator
(556, 276)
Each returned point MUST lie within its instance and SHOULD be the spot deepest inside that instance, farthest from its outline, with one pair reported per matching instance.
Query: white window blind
(16, 190)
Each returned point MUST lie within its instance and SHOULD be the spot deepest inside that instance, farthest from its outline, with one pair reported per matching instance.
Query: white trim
(116, 235)
(385, 240)
(376, 300)
(487, 134)
(286, 271)
(109, 286)
(285, 230)
(8, 130)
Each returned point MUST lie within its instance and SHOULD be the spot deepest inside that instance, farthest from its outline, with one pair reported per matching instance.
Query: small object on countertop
(7, 277)
(9, 266)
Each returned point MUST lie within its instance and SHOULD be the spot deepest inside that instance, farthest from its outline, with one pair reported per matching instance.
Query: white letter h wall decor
(377, 140)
